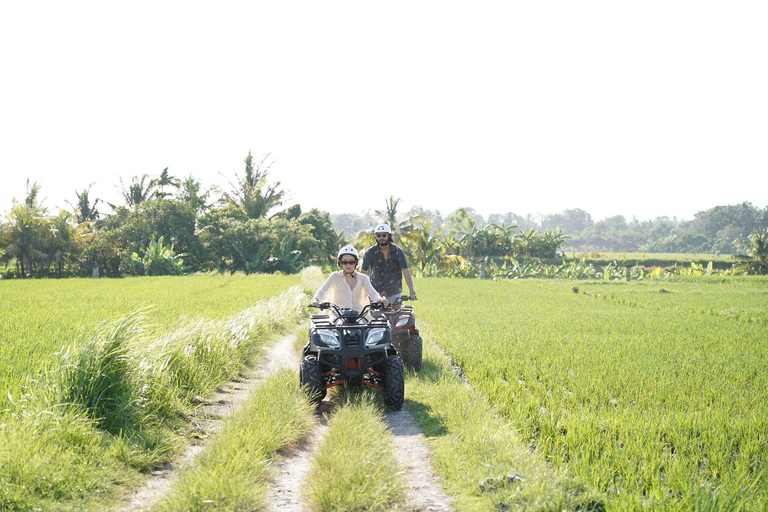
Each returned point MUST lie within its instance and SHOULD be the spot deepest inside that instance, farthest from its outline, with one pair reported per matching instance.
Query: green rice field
(654, 394)
(39, 317)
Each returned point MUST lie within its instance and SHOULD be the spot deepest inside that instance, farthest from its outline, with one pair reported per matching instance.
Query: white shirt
(337, 290)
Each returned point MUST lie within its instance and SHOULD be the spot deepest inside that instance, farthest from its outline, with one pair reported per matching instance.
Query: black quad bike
(405, 335)
(355, 350)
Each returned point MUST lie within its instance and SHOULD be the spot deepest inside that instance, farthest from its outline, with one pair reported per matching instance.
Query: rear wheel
(394, 383)
(414, 353)
(312, 378)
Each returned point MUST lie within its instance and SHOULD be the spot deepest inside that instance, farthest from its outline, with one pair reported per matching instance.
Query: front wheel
(312, 378)
(394, 383)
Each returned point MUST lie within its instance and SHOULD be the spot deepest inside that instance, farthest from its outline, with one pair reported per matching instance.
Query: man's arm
(409, 282)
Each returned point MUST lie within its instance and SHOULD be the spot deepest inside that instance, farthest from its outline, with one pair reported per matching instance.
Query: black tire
(312, 379)
(403, 352)
(414, 353)
(394, 383)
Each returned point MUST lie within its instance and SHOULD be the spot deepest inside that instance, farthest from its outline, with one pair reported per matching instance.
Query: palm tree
(85, 211)
(422, 245)
(189, 192)
(389, 215)
(754, 260)
(252, 193)
(26, 236)
(164, 180)
(66, 239)
(138, 191)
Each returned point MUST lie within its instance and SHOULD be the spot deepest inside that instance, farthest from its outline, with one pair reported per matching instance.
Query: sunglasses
(382, 235)
(348, 262)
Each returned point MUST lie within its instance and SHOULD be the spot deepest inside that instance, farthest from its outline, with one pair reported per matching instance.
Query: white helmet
(348, 249)
(382, 228)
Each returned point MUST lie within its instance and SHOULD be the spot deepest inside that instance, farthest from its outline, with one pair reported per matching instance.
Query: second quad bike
(354, 348)
(405, 335)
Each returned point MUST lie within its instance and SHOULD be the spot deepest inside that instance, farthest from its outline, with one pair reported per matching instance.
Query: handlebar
(340, 312)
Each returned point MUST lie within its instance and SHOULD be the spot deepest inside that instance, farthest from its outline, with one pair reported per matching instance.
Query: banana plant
(159, 259)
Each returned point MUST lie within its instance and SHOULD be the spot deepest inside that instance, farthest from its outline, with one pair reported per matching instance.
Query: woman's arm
(323, 289)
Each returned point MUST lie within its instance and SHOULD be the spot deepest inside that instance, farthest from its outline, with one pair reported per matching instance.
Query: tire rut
(423, 491)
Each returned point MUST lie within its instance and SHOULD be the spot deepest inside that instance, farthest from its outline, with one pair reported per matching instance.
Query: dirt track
(289, 472)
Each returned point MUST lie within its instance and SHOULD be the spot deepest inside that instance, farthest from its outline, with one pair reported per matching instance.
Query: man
(387, 265)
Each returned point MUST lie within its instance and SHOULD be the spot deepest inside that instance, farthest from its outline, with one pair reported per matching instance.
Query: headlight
(375, 336)
(402, 320)
(329, 338)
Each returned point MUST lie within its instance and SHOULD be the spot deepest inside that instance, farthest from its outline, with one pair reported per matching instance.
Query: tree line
(167, 225)
(719, 230)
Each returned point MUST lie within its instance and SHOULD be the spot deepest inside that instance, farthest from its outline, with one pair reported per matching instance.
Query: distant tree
(423, 245)
(26, 237)
(137, 192)
(190, 191)
(754, 259)
(328, 239)
(389, 214)
(173, 220)
(570, 221)
(164, 180)
(66, 240)
(252, 192)
(84, 210)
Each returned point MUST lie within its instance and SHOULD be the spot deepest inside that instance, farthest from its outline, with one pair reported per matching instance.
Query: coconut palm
(389, 215)
(138, 191)
(252, 193)
(66, 239)
(754, 259)
(422, 245)
(26, 237)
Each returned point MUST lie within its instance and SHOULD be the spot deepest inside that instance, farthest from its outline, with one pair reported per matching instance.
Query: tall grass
(232, 473)
(41, 316)
(124, 392)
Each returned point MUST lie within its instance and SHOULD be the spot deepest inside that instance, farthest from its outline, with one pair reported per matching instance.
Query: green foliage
(159, 259)
(252, 193)
(754, 260)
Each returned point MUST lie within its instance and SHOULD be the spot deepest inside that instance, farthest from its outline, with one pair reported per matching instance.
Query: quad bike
(405, 335)
(355, 350)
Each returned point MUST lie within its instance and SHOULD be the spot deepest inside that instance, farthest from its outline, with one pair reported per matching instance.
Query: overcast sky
(618, 108)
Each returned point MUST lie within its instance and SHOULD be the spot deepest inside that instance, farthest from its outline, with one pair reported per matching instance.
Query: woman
(347, 288)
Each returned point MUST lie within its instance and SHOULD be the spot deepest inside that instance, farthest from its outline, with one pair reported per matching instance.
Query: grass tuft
(355, 467)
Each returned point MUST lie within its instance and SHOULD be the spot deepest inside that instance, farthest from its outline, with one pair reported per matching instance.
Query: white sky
(633, 108)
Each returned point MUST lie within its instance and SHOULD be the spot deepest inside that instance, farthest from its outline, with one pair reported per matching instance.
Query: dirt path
(285, 492)
(210, 419)
(289, 472)
(412, 452)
